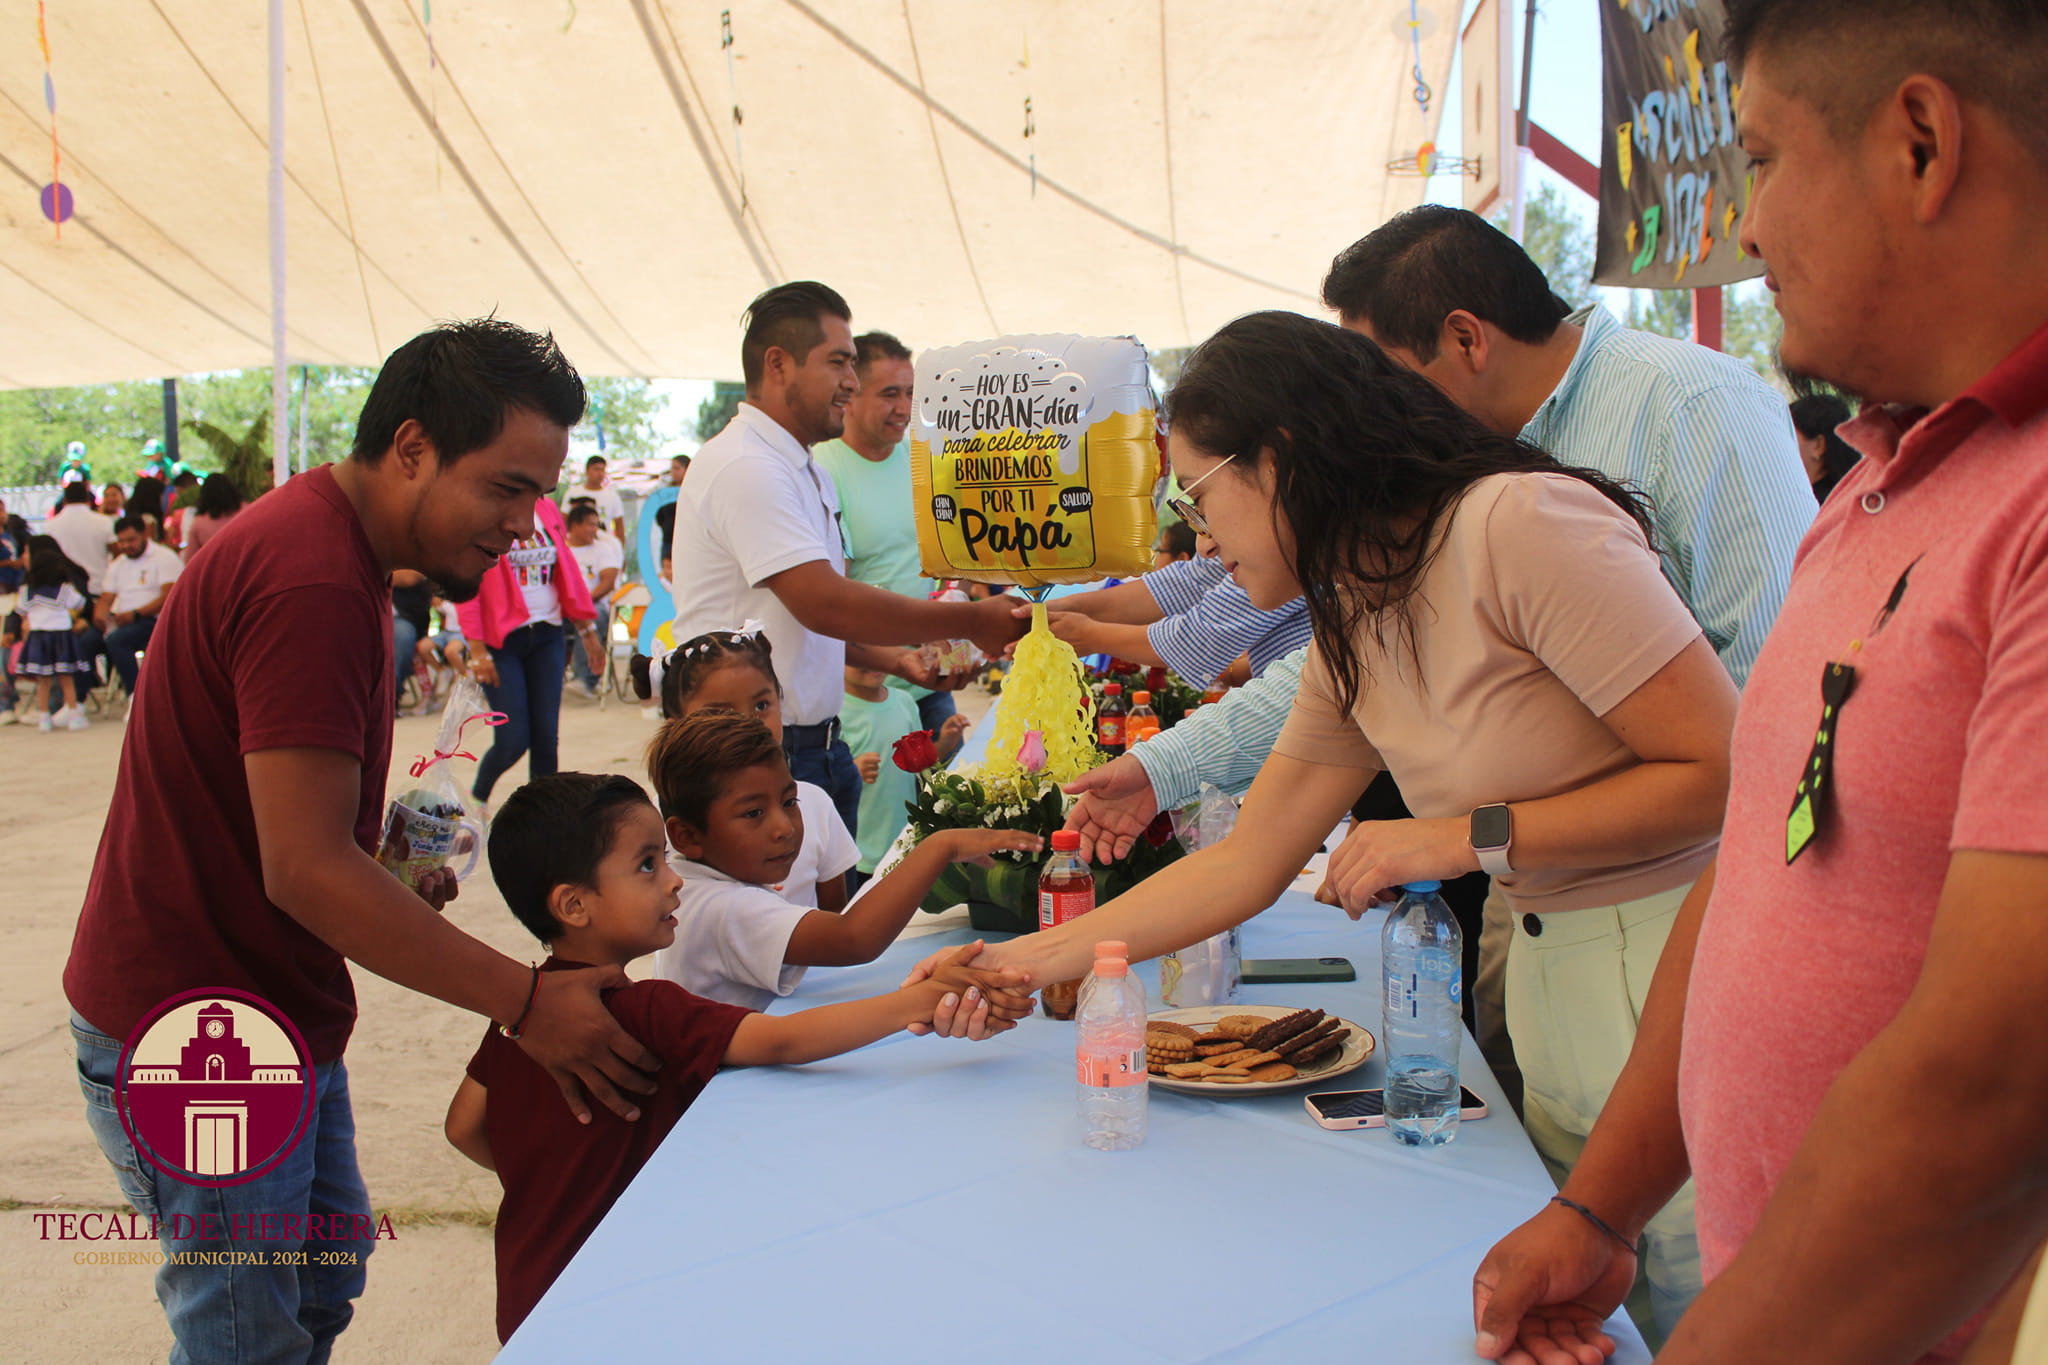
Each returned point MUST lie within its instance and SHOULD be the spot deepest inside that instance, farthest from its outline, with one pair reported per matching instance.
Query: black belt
(823, 735)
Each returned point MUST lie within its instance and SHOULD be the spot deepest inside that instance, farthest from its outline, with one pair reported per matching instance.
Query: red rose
(1155, 679)
(1120, 666)
(1160, 830)
(915, 752)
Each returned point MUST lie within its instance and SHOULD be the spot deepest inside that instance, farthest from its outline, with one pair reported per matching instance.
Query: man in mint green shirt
(870, 465)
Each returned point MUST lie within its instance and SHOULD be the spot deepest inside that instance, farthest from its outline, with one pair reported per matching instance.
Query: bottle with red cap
(1109, 1053)
(1066, 891)
(1109, 720)
(1142, 723)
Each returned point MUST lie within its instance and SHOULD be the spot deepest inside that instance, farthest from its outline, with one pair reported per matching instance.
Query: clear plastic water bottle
(1110, 947)
(1422, 1027)
(1109, 1052)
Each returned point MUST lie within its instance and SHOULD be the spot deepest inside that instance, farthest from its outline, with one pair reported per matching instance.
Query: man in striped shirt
(1448, 294)
(1189, 615)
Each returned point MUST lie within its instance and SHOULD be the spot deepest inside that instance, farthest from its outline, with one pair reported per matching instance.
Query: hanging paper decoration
(55, 199)
(732, 85)
(1672, 177)
(1032, 460)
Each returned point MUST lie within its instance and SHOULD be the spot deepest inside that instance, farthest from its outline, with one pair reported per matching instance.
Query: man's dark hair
(788, 316)
(1406, 276)
(552, 832)
(459, 381)
(869, 347)
(131, 522)
(76, 492)
(186, 478)
(1178, 539)
(595, 459)
(1847, 55)
(582, 510)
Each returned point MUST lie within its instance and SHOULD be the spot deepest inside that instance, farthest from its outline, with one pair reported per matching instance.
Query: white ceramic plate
(1357, 1050)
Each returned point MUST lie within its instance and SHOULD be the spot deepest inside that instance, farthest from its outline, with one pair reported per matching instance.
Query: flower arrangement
(1043, 737)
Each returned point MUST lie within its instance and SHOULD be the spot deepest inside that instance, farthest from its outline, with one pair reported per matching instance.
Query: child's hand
(1007, 1001)
(870, 767)
(964, 1018)
(950, 736)
(975, 845)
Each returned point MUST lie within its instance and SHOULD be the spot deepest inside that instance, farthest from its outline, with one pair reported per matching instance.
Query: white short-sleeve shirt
(83, 535)
(725, 941)
(610, 505)
(754, 505)
(593, 559)
(136, 582)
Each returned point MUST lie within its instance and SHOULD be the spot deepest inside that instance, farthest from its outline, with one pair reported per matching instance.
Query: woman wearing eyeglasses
(1494, 630)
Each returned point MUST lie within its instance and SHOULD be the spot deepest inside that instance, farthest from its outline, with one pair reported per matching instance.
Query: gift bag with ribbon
(427, 826)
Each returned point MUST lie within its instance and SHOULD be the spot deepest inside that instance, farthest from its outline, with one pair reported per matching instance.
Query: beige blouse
(1542, 611)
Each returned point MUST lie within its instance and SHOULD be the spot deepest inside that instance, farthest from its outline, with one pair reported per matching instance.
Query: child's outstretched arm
(870, 924)
(827, 1031)
(465, 1125)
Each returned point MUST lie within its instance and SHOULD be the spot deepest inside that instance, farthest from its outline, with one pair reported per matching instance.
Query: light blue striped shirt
(1698, 431)
(1210, 621)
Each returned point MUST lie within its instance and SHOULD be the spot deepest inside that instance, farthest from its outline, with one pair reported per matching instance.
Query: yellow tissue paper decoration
(1044, 692)
(1032, 460)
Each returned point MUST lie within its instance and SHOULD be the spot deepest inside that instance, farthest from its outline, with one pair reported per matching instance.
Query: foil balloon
(1032, 460)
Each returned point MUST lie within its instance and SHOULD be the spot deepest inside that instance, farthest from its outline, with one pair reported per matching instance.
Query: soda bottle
(1423, 951)
(1109, 720)
(1143, 722)
(1066, 891)
(1213, 694)
(1109, 1054)
(1110, 947)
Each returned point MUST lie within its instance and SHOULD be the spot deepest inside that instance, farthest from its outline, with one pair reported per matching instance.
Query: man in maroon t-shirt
(238, 850)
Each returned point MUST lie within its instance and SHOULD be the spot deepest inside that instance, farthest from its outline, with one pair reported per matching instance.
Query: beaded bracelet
(517, 1028)
(1595, 1219)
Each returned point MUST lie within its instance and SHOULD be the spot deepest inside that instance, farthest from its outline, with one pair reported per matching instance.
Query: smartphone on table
(1341, 1109)
(1288, 971)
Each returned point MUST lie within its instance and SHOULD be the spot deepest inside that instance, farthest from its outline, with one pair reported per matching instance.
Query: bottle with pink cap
(1109, 1048)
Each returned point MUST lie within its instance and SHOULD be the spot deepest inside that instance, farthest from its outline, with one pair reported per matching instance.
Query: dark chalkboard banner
(1673, 180)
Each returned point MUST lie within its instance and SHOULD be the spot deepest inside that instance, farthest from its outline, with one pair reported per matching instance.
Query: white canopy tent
(577, 165)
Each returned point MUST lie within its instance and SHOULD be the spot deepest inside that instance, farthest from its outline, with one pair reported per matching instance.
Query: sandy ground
(430, 1290)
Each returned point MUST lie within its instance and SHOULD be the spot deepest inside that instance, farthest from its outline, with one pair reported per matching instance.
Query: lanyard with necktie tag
(1815, 793)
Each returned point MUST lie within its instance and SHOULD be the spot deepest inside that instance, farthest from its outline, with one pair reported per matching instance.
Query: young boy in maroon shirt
(582, 861)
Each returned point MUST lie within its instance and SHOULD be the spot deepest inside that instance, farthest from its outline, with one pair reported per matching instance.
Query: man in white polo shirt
(758, 537)
(134, 588)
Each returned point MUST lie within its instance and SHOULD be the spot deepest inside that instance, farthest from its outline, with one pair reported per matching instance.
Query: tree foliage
(714, 412)
(629, 410)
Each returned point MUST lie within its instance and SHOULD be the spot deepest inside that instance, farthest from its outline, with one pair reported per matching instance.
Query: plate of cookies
(1250, 1049)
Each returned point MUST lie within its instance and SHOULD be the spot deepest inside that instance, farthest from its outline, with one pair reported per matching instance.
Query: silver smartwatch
(1493, 834)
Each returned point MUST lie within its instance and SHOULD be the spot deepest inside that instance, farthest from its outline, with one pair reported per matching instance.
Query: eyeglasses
(1190, 513)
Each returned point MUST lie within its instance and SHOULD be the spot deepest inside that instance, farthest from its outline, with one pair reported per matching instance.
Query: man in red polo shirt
(238, 850)
(1862, 1094)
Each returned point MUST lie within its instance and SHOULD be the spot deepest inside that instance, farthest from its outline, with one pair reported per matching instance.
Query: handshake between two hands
(977, 1002)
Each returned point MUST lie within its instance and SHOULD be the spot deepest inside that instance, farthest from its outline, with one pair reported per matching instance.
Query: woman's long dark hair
(219, 496)
(48, 567)
(1368, 457)
(146, 499)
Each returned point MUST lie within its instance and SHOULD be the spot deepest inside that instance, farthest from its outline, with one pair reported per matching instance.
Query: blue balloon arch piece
(661, 609)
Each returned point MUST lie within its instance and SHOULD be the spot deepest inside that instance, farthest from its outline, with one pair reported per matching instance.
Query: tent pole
(280, 431)
(171, 421)
(305, 403)
(1522, 157)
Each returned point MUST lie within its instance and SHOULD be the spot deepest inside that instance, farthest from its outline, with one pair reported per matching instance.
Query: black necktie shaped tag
(1810, 802)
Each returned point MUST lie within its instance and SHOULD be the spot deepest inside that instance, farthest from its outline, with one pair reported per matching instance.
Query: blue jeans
(934, 711)
(404, 635)
(579, 657)
(124, 643)
(245, 1314)
(831, 768)
(529, 691)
